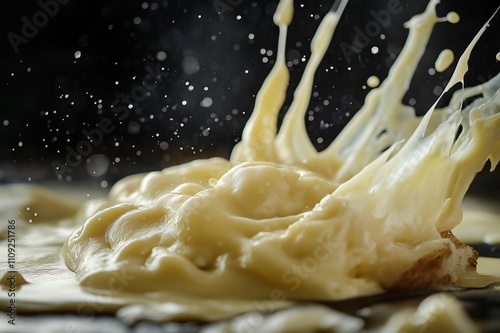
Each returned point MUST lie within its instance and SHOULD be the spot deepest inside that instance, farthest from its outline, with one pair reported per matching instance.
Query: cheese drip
(371, 212)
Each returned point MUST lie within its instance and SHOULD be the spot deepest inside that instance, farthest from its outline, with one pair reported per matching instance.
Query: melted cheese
(373, 81)
(437, 313)
(280, 221)
(346, 222)
(444, 60)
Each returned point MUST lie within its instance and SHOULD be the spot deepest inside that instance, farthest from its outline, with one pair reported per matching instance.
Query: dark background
(49, 95)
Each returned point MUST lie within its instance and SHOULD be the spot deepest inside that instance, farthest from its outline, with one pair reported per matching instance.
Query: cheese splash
(372, 212)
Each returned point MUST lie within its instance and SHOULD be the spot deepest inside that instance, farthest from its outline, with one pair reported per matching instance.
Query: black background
(48, 96)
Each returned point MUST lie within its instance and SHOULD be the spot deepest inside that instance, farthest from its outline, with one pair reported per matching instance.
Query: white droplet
(206, 102)
(97, 165)
(161, 56)
(133, 128)
(190, 65)
(164, 145)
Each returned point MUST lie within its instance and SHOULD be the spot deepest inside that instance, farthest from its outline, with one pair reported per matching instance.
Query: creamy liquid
(444, 60)
(373, 81)
(279, 222)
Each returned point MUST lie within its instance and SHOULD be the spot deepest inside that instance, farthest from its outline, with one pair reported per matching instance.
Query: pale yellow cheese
(444, 60)
(373, 81)
(352, 220)
(279, 221)
(437, 313)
